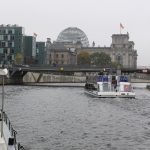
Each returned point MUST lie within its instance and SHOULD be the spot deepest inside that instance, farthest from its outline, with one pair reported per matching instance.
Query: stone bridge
(19, 75)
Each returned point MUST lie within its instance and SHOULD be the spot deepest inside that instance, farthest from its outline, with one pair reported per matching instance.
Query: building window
(9, 58)
(12, 38)
(1, 50)
(3, 55)
(3, 44)
(8, 50)
(5, 51)
(10, 44)
(13, 31)
(5, 37)
(62, 55)
(12, 57)
(1, 37)
(62, 62)
(12, 50)
(9, 31)
(119, 59)
(37, 51)
(4, 31)
(56, 55)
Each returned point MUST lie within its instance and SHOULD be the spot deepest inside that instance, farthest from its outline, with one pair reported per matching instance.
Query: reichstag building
(71, 41)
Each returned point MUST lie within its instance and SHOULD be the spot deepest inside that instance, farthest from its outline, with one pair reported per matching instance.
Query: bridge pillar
(15, 76)
(12, 80)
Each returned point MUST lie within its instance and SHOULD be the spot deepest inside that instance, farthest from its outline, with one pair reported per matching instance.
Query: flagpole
(120, 29)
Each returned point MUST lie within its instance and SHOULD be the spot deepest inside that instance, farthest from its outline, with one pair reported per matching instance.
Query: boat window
(102, 79)
(98, 89)
(127, 88)
(123, 79)
(106, 87)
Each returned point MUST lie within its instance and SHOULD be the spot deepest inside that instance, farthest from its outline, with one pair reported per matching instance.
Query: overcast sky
(99, 19)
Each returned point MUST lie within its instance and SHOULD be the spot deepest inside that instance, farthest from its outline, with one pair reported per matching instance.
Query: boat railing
(20, 147)
(13, 132)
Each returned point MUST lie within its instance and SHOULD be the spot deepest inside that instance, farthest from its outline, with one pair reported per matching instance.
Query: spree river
(64, 118)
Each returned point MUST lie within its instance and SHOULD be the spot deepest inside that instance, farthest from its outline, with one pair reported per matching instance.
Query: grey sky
(99, 19)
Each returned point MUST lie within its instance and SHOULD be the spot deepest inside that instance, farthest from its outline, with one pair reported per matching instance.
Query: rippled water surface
(53, 118)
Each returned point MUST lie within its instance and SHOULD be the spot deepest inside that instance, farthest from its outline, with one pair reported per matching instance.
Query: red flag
(35, 34)
(121, 26)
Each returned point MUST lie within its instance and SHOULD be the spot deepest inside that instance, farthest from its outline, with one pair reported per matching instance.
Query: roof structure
(74, 35)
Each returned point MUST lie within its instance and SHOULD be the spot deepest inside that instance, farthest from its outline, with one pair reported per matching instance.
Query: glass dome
(73, 34)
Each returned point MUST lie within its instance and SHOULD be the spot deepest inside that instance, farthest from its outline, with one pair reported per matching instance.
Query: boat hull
(110, 94)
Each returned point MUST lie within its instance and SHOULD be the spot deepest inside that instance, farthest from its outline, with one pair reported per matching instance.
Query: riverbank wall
(51, 78)
(36, 78)
(31, 77)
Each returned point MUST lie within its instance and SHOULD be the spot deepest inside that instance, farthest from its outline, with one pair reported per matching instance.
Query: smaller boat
(7, 133)
(105, 86)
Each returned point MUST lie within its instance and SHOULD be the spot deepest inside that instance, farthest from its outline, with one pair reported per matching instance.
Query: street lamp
(3, 72)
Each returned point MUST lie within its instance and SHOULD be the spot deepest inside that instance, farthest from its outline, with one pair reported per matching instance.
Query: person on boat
(115, 87)
(114, 83)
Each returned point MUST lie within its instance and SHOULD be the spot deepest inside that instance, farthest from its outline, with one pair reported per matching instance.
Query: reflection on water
(53, 118)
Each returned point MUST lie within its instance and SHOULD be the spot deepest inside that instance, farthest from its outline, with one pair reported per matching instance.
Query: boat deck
(4, 140)
(2, 144)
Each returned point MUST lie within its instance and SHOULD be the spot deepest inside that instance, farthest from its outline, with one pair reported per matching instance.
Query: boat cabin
(113, 83)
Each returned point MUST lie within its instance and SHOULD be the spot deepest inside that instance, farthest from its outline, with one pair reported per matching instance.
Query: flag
(35, 34)
(121, 26)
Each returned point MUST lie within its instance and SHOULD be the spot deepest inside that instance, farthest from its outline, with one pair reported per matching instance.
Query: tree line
(95, 59)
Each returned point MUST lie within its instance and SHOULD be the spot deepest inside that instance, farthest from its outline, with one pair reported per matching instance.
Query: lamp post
(3, 72)
(2, 106)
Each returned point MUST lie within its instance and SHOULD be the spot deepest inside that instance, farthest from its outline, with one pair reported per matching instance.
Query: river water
(64, 118)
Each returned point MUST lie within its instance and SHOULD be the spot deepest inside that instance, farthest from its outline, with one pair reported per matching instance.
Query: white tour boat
(7, 133)
(105, 86)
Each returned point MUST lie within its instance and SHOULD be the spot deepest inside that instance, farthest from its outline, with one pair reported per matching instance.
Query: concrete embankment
(31, 77)
(56, 84)
(133, 80)
(51, 78)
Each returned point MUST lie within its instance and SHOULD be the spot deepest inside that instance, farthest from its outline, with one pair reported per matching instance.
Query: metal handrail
(3, 116)
(13, 132)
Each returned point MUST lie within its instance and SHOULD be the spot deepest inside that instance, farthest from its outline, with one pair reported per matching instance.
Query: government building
(18, 48)
(71, 41)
